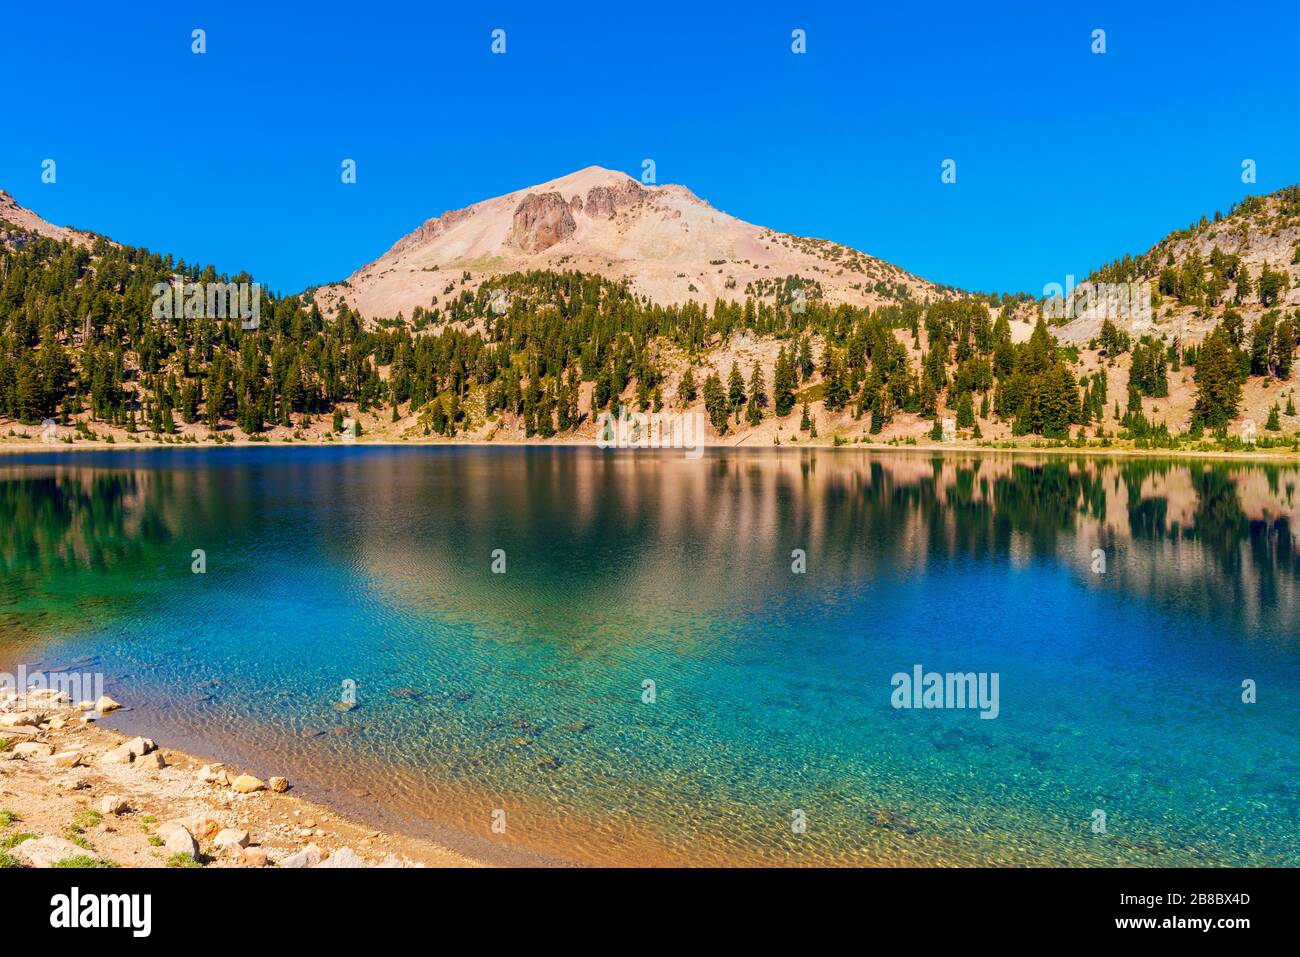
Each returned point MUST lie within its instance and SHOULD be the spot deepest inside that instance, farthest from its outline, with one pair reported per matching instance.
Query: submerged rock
(896, 822)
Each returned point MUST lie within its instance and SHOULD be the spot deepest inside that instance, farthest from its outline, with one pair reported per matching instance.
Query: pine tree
(1218, 390)
(837, 390)
(735, 388)
(965, 411)
(1244, 286)
(929, 398)
(686, 389)
(805, 362)
(1059, 407)
(757, 389)
(783, 384)
(715, 402)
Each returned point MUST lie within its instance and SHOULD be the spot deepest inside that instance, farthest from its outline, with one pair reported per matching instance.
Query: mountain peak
(586, 178)
(669, 244)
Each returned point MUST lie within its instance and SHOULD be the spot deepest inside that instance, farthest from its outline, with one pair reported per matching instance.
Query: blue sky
(1065, 159)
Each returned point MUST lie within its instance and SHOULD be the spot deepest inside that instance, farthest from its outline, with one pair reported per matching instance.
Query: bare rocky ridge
(28, 222)
(541, 221)
(668, 243)
(608, 200)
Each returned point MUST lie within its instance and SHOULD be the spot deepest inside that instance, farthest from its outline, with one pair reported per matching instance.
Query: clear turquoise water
(523, 692)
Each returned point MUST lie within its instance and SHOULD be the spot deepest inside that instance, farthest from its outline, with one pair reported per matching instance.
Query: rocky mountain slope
(27, 222)
(1195, 272)
(668, 243)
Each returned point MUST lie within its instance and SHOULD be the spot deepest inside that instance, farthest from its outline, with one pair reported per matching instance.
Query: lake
(632, 657)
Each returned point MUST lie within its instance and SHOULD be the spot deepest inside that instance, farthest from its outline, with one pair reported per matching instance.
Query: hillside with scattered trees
(540, 355)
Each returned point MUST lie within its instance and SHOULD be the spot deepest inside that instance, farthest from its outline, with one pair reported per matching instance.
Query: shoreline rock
(62, 774)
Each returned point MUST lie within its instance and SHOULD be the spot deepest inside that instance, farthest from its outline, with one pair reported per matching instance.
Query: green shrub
(83, 861)
(13, 840)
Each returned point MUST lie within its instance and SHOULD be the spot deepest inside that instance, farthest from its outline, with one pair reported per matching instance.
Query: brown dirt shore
(72, 790)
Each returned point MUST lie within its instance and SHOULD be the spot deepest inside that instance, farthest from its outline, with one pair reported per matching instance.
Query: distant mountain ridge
(670, 245)
(533, 313)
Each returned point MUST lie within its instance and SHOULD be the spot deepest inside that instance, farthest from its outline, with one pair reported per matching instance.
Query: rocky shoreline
(73, 794)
